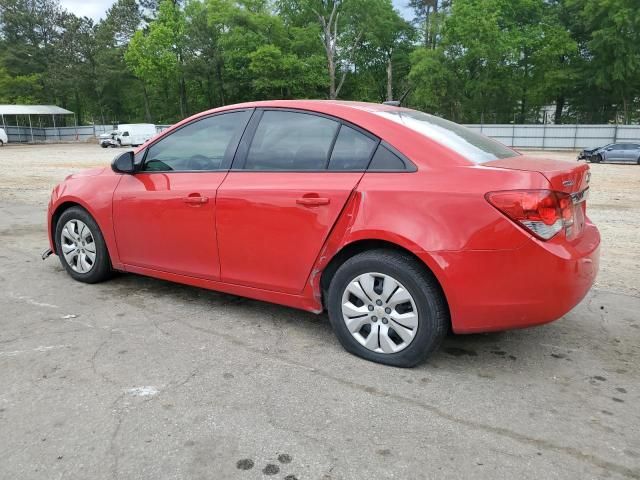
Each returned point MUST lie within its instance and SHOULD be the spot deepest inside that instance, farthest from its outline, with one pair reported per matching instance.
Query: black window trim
(229, 154)
(242, 150)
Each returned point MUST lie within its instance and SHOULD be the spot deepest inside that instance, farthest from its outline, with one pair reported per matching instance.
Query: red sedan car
(400, 224)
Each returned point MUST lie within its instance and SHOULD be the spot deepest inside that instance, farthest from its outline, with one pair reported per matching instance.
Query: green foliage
(468, 60)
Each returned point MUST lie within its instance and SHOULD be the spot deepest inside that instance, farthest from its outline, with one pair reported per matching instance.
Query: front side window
(291, 141)
(352, 150)
(201, 145)
(469, 144)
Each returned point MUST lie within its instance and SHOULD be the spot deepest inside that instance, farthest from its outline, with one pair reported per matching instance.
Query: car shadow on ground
(457, 351)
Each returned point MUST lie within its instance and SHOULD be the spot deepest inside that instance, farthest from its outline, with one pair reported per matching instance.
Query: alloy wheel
(380, 313)
(78, 246)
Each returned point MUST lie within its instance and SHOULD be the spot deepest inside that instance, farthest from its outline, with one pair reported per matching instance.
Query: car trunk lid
(566, 177)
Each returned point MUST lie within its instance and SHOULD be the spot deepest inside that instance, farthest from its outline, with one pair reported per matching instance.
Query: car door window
(386, 160)
(291, 141)
(201, 145)
(352, 150)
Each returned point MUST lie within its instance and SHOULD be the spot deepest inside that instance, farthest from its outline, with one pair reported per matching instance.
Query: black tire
(104, 145)
(433, 312)
(598, 158)
(1, 143)
(101, 269)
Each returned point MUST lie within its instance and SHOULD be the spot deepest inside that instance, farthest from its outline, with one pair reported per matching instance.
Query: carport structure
(29, 111)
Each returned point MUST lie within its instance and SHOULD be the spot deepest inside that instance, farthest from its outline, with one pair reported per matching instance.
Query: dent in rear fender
(423, 219)
(349, 229)
(94, 194)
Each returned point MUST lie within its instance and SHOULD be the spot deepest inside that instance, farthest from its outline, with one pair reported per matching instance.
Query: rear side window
(385, 159)
(469, 144)
(352, 150)
(291, 141)
(201, 145)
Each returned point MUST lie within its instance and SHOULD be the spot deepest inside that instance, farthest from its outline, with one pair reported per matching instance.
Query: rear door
(615, 152)
(631, 153)
(289, 183)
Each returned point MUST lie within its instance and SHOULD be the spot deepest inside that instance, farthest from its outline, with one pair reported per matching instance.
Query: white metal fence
(60, 134)
(559, 136)
(518, 136)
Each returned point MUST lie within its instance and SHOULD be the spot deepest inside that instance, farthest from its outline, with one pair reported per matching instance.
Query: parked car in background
(614, 152)
(128, 135)
(3, 137)
(108, 139)
(400, 224)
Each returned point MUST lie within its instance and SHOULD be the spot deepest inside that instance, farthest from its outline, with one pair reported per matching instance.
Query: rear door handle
(193, 200)
(312, 201)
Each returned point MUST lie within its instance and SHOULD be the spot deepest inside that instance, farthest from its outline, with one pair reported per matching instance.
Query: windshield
(471, 145)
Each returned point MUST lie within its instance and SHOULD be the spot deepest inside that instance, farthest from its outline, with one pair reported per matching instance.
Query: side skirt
(301, 302)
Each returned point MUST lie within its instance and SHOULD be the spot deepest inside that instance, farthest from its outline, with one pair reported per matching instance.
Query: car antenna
(398, 103)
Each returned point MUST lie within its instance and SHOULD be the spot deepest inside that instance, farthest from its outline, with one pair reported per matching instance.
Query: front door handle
(312, 201)
(195, 200)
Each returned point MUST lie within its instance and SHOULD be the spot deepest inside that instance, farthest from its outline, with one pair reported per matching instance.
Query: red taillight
(543, 212)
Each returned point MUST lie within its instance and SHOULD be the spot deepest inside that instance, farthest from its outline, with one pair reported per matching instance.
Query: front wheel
(598, 158)
(386, 307)
(81, 246)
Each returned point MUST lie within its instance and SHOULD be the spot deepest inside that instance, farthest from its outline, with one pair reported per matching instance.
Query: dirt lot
(139, 378)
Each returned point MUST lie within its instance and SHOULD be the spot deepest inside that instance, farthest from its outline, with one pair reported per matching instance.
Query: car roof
(364, 115)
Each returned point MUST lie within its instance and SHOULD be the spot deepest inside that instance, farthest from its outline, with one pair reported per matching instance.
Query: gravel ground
(140, 378)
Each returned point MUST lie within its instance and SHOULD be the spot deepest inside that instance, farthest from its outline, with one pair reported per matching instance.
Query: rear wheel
(81, 247)
(386, 307)
(1, 143)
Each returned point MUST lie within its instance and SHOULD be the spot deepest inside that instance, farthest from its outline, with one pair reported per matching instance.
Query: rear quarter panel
(430, 211)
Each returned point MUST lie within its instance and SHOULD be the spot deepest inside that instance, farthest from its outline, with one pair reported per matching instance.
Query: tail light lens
(542, 212)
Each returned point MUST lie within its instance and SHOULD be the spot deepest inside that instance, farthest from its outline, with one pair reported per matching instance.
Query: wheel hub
(380, 313)
(78, 246)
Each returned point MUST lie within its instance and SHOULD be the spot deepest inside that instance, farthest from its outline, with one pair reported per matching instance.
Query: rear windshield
(471, 145)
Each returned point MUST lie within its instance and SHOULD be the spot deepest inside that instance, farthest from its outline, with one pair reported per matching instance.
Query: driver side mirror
(123, 163)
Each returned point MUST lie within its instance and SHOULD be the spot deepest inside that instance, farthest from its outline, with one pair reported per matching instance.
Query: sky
(96, 8)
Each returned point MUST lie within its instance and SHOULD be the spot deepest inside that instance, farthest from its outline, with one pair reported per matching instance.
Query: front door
(285, 192)
(164, 215)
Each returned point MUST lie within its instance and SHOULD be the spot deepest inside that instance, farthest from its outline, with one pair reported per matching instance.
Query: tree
(614, 48)
(157, 55)
(499, 62)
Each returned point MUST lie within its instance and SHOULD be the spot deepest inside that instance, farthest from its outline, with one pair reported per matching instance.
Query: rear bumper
(538, 283)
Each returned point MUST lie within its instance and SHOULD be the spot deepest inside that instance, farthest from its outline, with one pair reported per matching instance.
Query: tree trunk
(427, 29)
(389, 78)
(147, 110)
(557, 117)
(329, 39)
(183, 96)
(433, 28)
(220, 80)
(331, 67)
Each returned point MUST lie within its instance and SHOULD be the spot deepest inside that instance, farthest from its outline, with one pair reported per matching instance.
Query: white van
(128, 134)
(3, 137)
